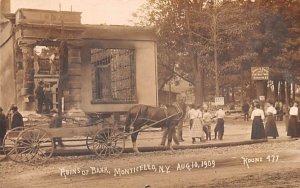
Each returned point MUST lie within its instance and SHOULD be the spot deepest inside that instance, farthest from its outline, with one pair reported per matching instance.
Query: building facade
(103, 68)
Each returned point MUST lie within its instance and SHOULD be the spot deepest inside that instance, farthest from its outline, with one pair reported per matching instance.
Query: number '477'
(272, 158)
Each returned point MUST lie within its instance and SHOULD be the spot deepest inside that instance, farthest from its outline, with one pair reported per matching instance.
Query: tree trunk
(286, 101)
(261, 86)
(198, 82)
(276, 90)
(282, 91)
(232, 97)
(288, 96)
(294, 91)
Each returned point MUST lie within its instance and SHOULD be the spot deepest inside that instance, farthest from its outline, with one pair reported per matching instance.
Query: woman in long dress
(293, 121)
(271, 128)
(257, 115)
(197, 128)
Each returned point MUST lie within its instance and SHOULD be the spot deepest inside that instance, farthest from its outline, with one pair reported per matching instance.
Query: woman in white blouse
(271, 128)
(257, 115)
(293, 121)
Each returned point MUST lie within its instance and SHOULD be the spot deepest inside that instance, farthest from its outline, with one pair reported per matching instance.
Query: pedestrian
(245, 109)
(257, 117)
(17, 118)
(165, 134)
(48, 98)
(183, 107)
(219, 129)
(39, 93)
(192, 114)
(56, 122)
(271, 128)
(166, 131)
(207, 120)
(293, 121)
(197, 128)
(2, 126)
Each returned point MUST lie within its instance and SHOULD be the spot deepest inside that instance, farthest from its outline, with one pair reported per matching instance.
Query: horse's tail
(128, 122)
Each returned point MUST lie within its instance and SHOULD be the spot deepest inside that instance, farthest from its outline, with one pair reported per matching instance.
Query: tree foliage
(247, 33)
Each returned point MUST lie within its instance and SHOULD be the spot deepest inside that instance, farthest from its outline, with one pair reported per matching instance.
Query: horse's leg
(134, 138)
(164, 136)
(170, 134)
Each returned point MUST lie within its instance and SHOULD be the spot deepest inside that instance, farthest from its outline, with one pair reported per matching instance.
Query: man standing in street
(17, 118)
(245, 109)
(219, 129)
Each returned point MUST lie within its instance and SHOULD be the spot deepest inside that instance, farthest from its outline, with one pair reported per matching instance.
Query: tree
(188, 41)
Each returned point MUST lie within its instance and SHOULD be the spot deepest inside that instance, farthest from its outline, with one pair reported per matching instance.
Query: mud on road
(269, 164)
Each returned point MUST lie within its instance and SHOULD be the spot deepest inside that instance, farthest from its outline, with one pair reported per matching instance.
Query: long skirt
(197, 129)
(271, 128)
(258, 131)
(293, 127)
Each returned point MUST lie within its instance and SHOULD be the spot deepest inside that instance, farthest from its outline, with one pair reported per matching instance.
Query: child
(207, 119)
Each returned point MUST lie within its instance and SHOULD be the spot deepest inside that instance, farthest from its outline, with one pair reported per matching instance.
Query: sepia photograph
(150, 93)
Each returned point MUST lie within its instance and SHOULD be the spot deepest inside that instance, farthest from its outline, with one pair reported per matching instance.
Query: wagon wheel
(34, 146)
(89, 142)
(9, 142)
(108, 142)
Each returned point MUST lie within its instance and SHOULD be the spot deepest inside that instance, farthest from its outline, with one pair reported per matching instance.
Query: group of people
(247, 109)
(264, 122)
(13, 117)
(44, 96)
(201, 122)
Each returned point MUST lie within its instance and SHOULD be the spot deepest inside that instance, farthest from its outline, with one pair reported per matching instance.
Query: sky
(111, 12)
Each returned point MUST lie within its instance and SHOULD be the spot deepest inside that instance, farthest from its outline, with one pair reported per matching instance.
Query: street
(269, 164)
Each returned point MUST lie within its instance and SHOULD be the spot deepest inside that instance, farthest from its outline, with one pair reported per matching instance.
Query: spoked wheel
(34, 146)
(9, 143)
(108, 142)
(89, 143)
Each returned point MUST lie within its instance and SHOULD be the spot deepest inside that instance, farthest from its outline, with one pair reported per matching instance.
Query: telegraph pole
(214, 27)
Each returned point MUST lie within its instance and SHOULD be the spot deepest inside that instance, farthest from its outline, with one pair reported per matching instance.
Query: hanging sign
(219, 101)
(260, 73)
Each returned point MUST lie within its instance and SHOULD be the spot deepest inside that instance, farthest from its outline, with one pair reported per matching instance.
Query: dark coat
(17, 120)
(245, 108)
(39, 92)
(2, 126)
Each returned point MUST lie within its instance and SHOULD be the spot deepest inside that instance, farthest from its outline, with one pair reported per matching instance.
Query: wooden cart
(35, 145)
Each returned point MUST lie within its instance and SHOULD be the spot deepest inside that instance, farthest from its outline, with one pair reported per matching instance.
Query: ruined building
(103, 68)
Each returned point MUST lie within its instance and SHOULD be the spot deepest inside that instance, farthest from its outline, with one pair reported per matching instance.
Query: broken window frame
(107, 64)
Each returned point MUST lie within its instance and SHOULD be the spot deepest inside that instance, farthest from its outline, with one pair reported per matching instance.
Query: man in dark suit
(17, 118)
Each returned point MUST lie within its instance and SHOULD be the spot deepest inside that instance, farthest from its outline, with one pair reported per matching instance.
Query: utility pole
(214, 27)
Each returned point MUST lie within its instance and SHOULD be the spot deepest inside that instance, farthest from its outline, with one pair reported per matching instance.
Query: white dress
(197, 128)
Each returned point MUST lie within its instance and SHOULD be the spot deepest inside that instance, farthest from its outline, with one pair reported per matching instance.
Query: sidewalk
(237, 132)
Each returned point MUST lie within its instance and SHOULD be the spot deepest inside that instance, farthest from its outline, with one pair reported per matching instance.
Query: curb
(76, 152)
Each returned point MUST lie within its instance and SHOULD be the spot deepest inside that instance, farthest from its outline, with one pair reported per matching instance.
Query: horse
(144, 115)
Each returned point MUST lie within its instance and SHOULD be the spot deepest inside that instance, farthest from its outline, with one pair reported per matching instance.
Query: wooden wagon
(35, 144)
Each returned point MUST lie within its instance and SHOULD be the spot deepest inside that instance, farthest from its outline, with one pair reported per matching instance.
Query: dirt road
(270, 164)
